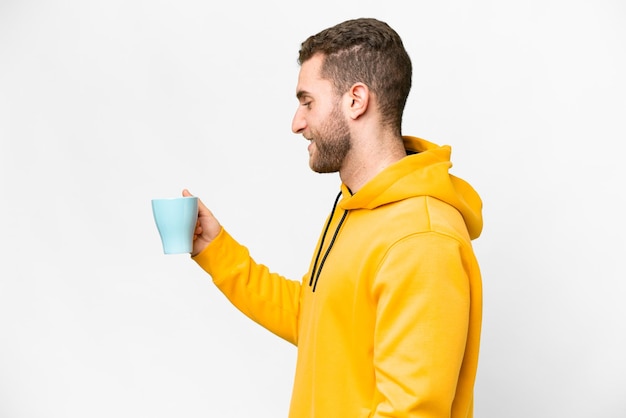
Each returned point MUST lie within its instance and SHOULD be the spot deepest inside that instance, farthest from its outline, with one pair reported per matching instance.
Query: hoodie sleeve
(265, 297)
(422, 319)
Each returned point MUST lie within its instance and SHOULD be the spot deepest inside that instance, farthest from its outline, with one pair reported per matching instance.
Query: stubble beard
(332, 144)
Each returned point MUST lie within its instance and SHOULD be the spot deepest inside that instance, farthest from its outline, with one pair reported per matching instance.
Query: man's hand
(207, 227)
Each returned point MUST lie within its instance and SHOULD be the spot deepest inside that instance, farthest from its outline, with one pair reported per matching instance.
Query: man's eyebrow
(301, 93)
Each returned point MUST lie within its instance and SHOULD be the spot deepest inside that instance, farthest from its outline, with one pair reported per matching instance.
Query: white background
(107, 104)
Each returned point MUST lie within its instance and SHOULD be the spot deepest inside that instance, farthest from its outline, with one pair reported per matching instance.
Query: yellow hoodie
(387, 320)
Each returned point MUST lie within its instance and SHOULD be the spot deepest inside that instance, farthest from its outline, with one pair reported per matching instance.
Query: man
(387, 319)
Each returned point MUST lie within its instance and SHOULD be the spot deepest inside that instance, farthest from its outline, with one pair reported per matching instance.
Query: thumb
(201, 207)
(208, 226)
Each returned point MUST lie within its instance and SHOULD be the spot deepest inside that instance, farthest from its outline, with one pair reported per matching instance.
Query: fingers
(197, 232)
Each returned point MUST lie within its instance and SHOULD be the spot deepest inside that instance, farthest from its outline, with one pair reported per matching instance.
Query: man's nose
(298, 124)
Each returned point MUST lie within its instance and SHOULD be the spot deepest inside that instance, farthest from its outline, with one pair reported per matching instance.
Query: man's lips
(310, 142)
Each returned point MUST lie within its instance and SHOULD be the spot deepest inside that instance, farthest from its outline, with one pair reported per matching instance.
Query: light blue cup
(175, 219)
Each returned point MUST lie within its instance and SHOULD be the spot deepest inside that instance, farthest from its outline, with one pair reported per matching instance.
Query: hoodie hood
(423, 172)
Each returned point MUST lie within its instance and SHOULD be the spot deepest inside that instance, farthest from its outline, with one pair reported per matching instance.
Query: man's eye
(307, 105)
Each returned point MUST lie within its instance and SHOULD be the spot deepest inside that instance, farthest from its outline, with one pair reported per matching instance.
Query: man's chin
(321, 169)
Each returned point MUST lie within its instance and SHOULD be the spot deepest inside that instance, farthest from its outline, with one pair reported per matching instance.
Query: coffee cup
(176, 219)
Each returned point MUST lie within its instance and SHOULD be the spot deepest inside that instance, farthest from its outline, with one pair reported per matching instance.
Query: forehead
(309, 79)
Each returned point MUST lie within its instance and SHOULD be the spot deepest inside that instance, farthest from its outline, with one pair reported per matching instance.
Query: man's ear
(358, 100)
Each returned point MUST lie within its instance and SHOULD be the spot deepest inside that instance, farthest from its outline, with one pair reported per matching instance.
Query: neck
(368, 158)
